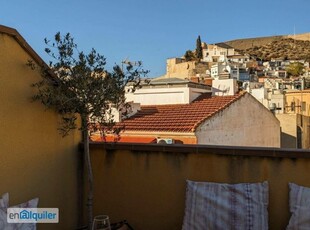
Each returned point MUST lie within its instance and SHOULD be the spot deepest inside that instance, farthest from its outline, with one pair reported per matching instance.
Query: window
(303, 106)
(293, 106)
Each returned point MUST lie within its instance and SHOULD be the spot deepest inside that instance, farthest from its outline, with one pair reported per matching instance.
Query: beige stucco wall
(155, 96)
(298, 97)
(148, 187)
(303, 131)
(173, 94)
(245, 122)
(178, 69)
(35, 161)
(216, 51)
(302, 109)
(288, 125)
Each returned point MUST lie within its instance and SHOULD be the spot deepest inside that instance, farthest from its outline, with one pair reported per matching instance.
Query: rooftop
(174, 81)
(178, 118)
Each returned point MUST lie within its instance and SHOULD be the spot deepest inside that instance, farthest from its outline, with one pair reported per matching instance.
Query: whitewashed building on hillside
(216, 52)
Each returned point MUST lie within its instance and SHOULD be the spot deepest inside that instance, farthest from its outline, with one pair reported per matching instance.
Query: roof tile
(178, 118)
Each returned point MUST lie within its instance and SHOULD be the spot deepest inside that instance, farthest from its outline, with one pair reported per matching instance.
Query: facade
(240, 59)
(179, 68)
(298, 104)
(165, 91)
(281, 73)
(273, 100)
(291, 107)
(225, 87)
(35, 161)
(217, 52)
(288, 124)
(239, 125)
(217, 69)
(239, 73)
(224, 70)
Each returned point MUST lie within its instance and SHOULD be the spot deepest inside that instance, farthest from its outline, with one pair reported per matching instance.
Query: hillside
(286, 48)
(304, 37)
(275, 47)
(242, 44)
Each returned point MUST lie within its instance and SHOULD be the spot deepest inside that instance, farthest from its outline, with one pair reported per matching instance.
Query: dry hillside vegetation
(305, 36)
(242, 44)
(246, 43)
(285, 48)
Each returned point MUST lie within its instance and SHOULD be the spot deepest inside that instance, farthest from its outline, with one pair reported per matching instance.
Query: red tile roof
(178, 118)
(129, 139)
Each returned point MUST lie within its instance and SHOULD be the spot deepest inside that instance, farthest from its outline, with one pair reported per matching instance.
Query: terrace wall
(145, 184)
(35, 161)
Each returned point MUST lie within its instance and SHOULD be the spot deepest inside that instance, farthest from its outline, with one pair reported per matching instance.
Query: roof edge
(157, 133)
(241, 94)
(23, 43)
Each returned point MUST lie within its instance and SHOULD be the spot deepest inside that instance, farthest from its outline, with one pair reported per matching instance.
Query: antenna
(294, 36)
(126, 61)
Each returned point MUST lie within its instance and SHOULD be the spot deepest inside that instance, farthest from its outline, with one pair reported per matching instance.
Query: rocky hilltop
(286, 46)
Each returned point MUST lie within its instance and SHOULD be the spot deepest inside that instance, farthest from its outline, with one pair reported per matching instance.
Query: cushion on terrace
(226, 206)
(4, 201)
(299, 207)
(16, 226)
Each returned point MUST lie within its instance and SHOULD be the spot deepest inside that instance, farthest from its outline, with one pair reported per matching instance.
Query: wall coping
(23, 43)
(206, 149)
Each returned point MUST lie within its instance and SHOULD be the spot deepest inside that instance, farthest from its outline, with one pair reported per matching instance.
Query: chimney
(133, 109)
(195, 79)
(224, 87)
(208, 81)
(118, 115)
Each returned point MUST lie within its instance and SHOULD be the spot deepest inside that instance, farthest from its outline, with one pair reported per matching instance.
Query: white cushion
(18, 226)
(226, 206)
(299, 207)
(4, 201)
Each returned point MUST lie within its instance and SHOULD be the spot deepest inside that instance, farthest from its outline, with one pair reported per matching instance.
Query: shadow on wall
(288, 141)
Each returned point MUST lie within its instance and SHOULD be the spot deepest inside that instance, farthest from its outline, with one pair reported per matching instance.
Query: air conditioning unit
(168, 141)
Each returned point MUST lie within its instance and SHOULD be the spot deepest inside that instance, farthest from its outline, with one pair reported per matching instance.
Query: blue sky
(151, 31)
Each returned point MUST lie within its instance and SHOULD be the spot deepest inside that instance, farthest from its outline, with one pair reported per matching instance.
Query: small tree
(189, 55)
(295, 69)
(78, 85)
(198, 49)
